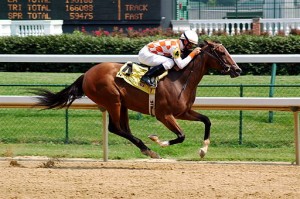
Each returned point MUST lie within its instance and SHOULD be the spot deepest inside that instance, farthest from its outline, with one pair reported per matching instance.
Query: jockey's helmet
(191, 36)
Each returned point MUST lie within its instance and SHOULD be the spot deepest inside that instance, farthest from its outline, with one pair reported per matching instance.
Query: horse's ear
(202, 43)
(208, 42)
(217, 41)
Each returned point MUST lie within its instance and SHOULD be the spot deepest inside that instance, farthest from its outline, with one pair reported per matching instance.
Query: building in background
(140, 14)
(239, 9)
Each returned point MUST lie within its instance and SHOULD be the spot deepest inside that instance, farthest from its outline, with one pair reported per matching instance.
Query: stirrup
(147, 80)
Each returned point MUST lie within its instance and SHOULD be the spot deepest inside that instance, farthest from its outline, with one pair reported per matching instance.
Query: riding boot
(152, 72)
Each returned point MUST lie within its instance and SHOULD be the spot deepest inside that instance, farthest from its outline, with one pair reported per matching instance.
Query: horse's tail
(63, 98)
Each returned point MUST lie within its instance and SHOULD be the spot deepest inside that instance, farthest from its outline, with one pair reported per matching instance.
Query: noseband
(216, 56)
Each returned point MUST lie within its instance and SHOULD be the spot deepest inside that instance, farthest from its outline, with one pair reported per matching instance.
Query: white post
(53, 27)
(105, 135)
(5, 29)
(297, 137)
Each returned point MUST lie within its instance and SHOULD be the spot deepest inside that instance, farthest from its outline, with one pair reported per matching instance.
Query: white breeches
(151, 59)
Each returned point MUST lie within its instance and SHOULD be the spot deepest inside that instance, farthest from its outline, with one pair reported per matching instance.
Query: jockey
(162, 55)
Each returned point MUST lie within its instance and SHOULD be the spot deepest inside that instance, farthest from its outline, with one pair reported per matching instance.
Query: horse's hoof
(202, 153)
(151, 154)
(154, 138)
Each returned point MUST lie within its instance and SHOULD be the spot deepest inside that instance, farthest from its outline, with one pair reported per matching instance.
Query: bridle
(216, 56)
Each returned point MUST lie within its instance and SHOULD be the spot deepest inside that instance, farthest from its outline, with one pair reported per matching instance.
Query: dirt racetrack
(145, 179)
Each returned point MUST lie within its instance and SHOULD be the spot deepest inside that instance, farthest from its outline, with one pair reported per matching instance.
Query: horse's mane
(185, 53)
(201, 45)
(205, 42)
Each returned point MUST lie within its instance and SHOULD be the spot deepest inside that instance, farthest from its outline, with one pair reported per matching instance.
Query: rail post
(297, 133)
(67, 123)
(105, 135)
(272, 89)
(241, 118)
(67, 126)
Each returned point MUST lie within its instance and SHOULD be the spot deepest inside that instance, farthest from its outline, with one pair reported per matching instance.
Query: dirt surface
(52, 178)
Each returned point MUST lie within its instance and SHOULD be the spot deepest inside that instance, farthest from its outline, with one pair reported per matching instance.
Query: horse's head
(221, 58)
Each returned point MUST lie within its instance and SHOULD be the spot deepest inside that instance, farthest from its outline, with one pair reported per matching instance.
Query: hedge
(88, 44)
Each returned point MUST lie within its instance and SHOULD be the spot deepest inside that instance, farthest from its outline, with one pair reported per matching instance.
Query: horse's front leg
(170, 122)
(195, 116)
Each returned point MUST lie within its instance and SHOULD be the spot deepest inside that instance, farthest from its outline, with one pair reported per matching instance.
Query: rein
(187, 79)
(214, 55)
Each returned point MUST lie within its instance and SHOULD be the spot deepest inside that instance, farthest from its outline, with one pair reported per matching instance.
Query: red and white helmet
(191, 36)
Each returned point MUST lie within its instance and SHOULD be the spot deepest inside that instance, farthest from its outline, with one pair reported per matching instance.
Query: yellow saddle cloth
(132, 73)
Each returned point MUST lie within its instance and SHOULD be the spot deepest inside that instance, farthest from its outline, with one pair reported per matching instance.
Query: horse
(175, 95)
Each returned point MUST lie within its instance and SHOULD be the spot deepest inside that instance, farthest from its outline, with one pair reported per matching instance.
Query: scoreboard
(81, 10)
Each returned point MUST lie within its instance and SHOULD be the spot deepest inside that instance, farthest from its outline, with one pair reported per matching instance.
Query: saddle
(132, 73)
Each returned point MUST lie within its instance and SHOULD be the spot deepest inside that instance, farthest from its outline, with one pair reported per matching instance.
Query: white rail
(47, 58)
(218, 103)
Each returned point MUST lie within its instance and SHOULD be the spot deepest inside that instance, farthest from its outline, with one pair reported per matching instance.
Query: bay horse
(175, 95)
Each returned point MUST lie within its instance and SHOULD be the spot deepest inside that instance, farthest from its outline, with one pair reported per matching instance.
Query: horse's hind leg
(125, 120)
(118, 124)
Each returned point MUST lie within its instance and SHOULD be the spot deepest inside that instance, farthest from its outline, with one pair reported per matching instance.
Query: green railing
(48, 126)
(289, 91)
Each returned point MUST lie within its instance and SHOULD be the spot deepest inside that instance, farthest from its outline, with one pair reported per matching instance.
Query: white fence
(30, 27)
(217, 103)
(32, 58)
(237, 26)
(230, 26)
(274, 26)
(5, 29)
(211, 25)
